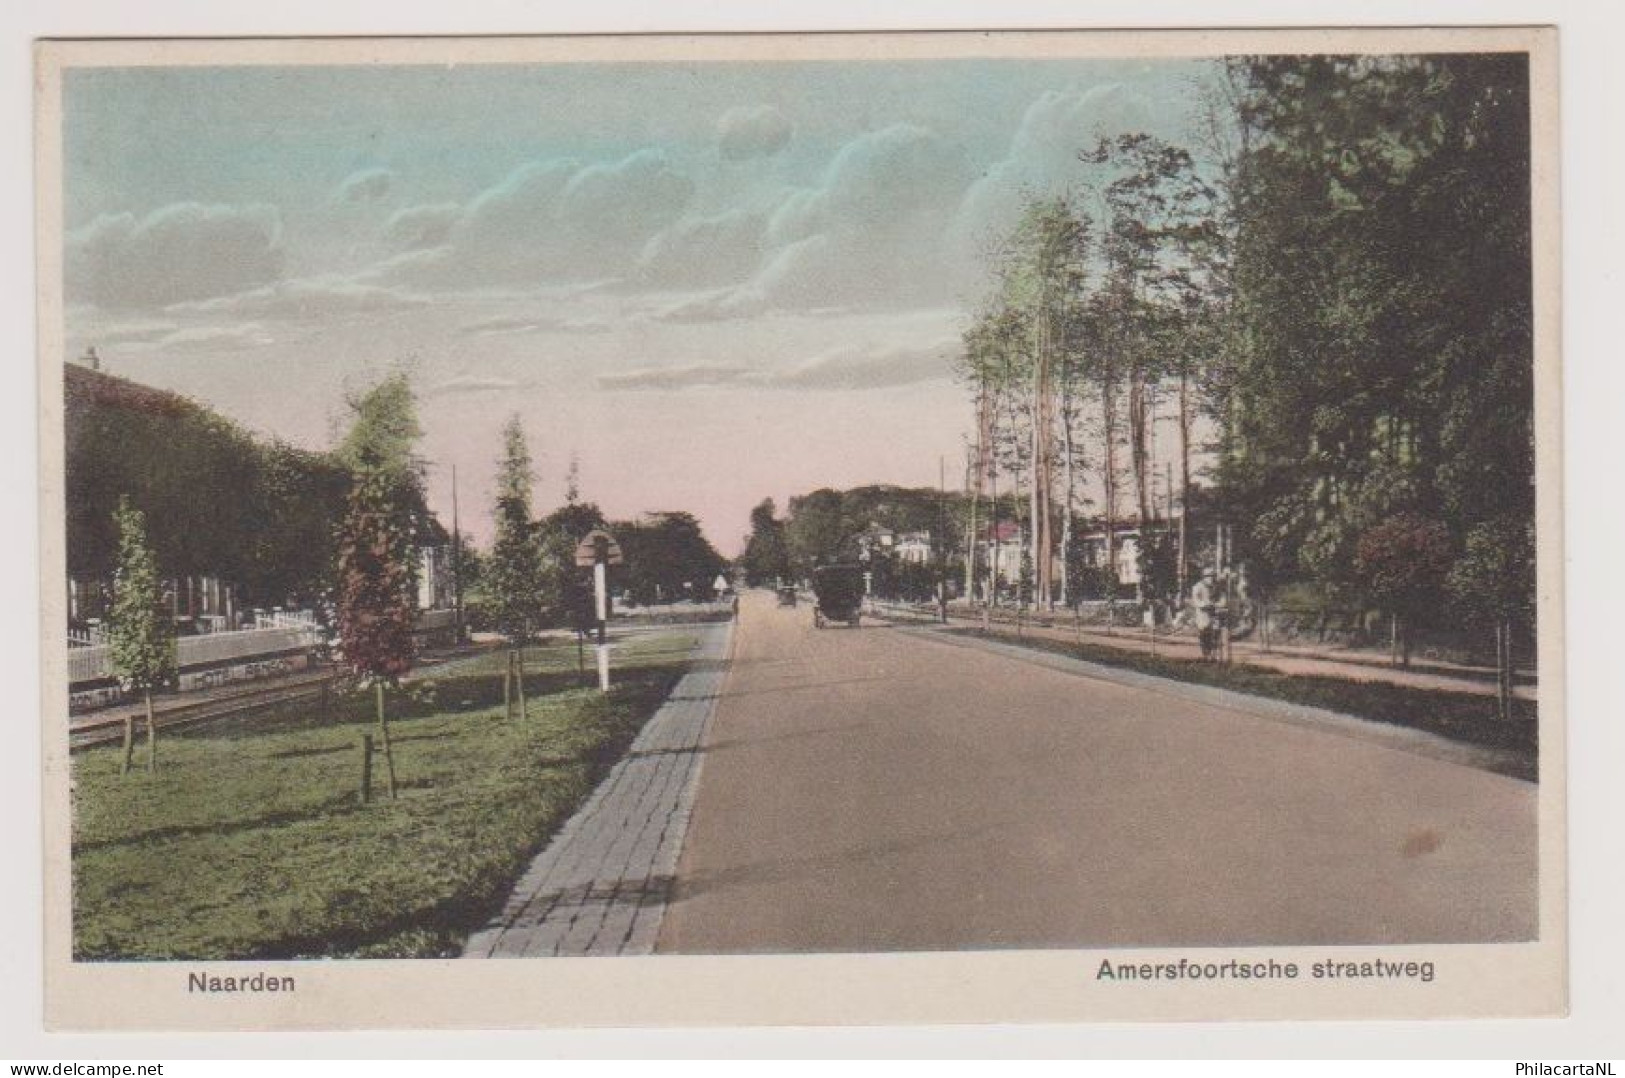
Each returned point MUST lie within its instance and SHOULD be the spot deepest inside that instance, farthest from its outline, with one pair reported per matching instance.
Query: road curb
(1387, 735)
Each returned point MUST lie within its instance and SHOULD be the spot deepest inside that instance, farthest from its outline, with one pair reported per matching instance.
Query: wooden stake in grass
(141, 633)
(507, 687)
(152, 736)
(129, 742)
(519, 682)
(366, 768)
(383, 736)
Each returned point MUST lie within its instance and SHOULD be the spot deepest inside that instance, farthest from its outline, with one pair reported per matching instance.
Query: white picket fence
(95, 663)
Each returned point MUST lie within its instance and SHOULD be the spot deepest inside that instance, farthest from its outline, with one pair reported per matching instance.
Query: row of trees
(829, 526)
(1328, 296)
(1103, 305)
(209, 505)
(363, 559)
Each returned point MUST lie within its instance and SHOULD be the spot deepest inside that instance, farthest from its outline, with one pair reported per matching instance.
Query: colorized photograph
(682, 506)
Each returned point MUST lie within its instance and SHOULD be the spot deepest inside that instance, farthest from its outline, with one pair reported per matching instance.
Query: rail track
(101, 730)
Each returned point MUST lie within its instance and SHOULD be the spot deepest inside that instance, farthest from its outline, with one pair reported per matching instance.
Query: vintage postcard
(800, 529)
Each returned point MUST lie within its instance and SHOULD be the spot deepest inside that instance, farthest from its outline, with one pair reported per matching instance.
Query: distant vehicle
(787, 595)
(839, 591)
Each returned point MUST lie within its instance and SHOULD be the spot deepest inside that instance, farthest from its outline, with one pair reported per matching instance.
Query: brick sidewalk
(600, 887)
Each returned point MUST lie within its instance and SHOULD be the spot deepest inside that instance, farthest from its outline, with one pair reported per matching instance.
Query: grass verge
(1465, 717)
(251, 840)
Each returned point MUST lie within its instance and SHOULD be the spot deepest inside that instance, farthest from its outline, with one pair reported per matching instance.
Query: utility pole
(970, 527)
(942, 538)
(456, 561)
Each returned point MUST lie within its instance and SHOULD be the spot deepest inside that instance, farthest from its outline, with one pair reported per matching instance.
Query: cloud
(615, 209)
(752, 131)
(308, 298)
(226, 338)
(366, 185)
(516, 325)
(418, 227)
(138, 332)
(856, 369)
(849, 368)
(472, 383)
(869, 234)
(701, 251)
(695, 376)
(185, 251)
(554, 220)
(1043, 156)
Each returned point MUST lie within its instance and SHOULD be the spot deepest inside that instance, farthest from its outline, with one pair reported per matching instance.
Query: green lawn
(1459, 716)
(251, 840)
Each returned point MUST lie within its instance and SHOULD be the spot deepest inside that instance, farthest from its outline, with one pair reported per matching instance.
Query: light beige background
(897, 988)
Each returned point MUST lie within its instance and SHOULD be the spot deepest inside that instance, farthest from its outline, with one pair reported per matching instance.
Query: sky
(709, 283)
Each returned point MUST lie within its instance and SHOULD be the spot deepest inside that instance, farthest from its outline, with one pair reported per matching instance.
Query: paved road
(878, 789)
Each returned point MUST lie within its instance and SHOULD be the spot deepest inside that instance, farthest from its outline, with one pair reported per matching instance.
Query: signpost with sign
(599, 550)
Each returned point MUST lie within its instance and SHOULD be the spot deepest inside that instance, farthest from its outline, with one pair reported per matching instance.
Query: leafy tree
(377, 543)
(141, 638)
(514, 579)
(1152, 319)
(667, 557)
(1492, 586)
(572, 592)
(1379, 357)
(375, 608)
(194, 474)
(818, 533)
(1043, 271)
(299, 497)
(1402, 562)
(1155, 556)
(995, 364)
(767, 555)
(218, 503)
(380, 445)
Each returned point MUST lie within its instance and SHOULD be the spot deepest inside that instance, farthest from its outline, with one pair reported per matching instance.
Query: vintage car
(839, 591)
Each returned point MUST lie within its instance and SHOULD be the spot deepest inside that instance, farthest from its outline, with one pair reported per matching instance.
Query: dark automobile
(787, 595)
(839, 591)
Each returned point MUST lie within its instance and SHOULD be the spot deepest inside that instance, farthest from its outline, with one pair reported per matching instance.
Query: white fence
(85, 638)
(95, 663)
(286, 619)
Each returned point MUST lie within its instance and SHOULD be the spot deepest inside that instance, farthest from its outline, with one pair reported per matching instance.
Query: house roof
(84, 387)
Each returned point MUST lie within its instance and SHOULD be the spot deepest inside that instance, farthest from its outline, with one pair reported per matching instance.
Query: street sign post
(600, 550)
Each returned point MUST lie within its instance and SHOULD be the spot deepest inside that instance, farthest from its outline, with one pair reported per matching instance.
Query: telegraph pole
(942, 538)
(456, 561)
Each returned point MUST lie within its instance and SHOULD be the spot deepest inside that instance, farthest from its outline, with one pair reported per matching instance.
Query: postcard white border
(1049, 986)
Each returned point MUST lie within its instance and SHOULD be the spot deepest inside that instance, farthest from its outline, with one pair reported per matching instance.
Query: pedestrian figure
(1205, 599)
